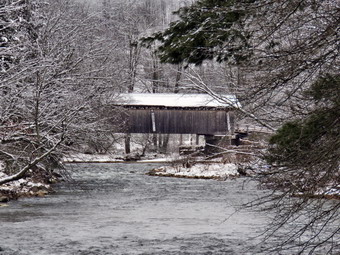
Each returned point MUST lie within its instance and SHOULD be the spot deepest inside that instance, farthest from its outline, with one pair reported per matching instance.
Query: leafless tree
(50, 85)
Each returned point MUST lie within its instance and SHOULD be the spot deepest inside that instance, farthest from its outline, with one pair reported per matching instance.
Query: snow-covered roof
(177, 100)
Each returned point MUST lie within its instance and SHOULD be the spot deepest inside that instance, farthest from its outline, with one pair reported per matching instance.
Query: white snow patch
(91, 158)
(200, 170)
(13, 185)
(22, 186)
(112, 158)
(156, 160)
(37, 184)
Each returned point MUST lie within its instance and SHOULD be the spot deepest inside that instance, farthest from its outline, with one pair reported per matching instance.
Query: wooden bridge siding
(139, 120)
(178, 121)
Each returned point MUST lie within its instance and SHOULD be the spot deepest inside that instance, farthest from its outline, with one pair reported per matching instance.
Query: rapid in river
(118, 209)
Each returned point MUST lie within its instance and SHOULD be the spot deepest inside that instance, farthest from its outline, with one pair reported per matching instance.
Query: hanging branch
(198, 82)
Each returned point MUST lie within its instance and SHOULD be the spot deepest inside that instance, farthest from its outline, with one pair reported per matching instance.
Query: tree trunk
(178, 77)
(127, 143)
(164, 145)
(155, 142)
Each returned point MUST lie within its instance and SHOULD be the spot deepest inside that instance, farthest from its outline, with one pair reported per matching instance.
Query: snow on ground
(199, 170)
(109, 158)
(23, 187)
(158, 160)
(79, 158)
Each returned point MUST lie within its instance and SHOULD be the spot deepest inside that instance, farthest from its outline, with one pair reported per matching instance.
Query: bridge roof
(177, 100)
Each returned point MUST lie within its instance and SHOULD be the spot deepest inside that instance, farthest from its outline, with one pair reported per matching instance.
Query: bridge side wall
(167, 121)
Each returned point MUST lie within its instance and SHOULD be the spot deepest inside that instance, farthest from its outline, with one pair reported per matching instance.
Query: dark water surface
(117, 209)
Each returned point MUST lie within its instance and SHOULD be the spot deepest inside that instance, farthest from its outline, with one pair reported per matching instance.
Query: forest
(63, 62)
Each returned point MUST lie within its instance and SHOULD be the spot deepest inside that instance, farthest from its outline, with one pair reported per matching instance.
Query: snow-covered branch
(197, 81)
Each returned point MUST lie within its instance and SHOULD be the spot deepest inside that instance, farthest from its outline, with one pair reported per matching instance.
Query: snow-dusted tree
(284, 47)
(19, 33)
(126, 21)
(50, 83)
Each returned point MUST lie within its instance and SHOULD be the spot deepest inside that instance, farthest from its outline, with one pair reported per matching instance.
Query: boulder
(4, 199)
(41, 193)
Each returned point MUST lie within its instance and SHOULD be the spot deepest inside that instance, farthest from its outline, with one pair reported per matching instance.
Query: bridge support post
(127, 140)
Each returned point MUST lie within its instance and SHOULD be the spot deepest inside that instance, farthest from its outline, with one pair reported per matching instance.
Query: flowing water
(117, 209)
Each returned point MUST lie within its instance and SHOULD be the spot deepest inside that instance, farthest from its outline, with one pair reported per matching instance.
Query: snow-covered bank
(22, 188)
(203, 171)
(111, 158)
(91, 158)
(32, 185)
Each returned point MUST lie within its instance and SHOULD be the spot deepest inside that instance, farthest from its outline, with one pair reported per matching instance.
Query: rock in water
(4, 199)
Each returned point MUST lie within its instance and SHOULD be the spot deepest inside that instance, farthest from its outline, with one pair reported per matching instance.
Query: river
(117, 209)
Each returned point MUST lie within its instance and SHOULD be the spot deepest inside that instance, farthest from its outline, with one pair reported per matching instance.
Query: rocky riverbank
(26, 187)
(33, 184)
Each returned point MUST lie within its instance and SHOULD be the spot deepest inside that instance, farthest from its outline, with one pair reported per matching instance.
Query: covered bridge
(164, 113)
